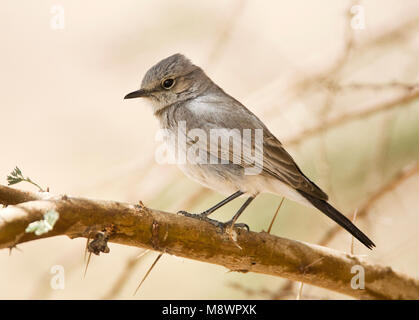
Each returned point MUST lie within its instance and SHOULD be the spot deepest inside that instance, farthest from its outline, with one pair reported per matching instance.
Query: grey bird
(181, 93)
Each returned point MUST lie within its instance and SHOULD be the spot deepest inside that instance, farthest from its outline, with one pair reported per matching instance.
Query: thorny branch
(194, 239)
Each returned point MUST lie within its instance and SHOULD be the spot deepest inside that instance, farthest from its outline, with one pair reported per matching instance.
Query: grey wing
(220, 120)
(277, 162)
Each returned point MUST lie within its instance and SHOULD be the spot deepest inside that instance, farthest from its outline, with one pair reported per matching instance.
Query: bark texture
(194, 239)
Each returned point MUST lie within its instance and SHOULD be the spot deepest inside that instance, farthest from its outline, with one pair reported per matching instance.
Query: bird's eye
(168, 83)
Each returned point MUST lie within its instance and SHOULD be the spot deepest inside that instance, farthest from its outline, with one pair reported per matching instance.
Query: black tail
(335, 215)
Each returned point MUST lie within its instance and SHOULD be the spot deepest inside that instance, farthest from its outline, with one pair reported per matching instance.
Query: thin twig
(148, 272)
(363, 210)
(402, 100)
(130, 265)
(300, 291)
(226, 31)
(274, 217)
(352, 237)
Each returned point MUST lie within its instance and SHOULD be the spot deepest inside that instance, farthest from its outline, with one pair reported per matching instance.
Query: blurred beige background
(296, 64)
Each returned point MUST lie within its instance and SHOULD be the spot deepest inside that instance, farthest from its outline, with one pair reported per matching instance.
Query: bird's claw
(191, 215)
(228, 225)
(199, 216)
(222, 225)
(241, 226)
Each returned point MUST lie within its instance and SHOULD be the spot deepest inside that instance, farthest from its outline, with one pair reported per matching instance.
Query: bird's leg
(232, 222)
(223, 225)
(206, 213)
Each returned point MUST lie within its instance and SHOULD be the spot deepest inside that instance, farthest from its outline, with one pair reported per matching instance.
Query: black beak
(136, 94)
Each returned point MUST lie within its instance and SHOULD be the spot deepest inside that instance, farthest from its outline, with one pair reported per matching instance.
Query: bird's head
(174, 79)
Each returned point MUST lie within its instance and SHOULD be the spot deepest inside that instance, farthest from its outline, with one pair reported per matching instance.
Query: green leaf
(18, 171)
(11, 180)
(44, 225)
(15, 176)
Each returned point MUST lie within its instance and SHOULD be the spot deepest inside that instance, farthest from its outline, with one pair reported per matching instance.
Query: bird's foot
(200, 216)
(224, 226)
(228, 228)
(229, 225)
